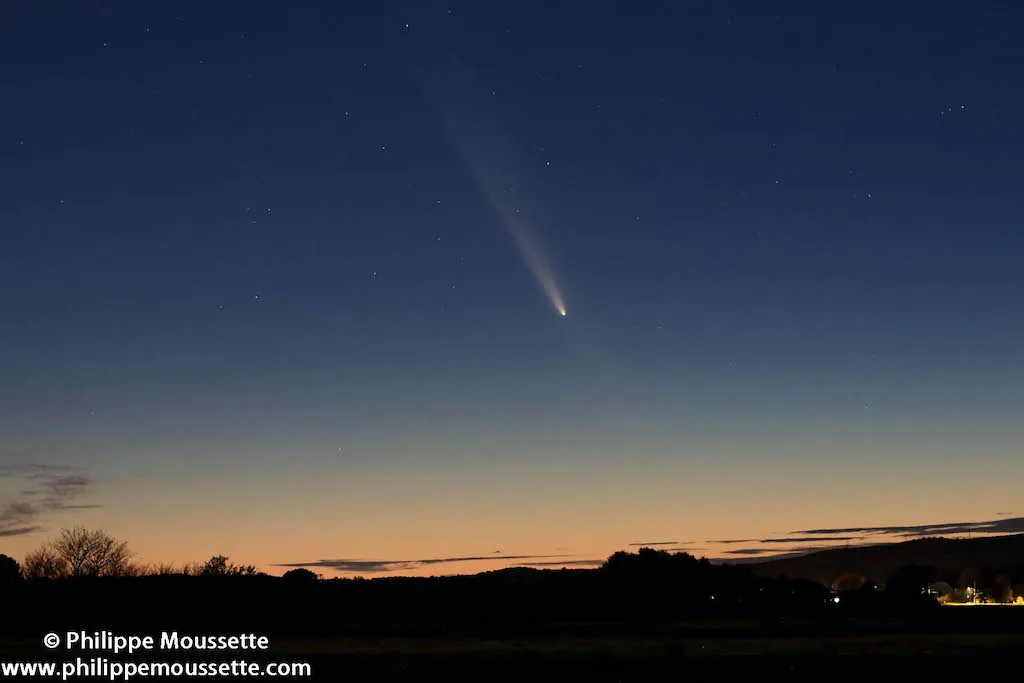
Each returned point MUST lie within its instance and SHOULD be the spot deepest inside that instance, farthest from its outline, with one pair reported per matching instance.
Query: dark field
(638, 616)
(955, 641)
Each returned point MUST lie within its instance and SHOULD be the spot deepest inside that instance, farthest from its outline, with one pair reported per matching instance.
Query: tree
(10, 570)
(44, 563)
(301, 575)
(218, 565)
(968, 578)
(850, 581)
(91, 553)
(1002, 589)
(910, 580)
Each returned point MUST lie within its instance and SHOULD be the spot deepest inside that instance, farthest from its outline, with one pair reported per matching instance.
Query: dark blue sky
(256, 240)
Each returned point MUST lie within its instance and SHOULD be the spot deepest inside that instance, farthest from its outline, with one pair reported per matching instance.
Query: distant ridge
(878, 562)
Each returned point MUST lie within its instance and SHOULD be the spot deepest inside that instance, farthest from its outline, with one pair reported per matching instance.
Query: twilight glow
(262, 283)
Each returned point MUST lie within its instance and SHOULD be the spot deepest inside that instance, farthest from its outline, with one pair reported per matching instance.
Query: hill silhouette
(949, 557)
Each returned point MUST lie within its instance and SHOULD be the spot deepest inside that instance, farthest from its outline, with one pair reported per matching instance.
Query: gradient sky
(281, 280)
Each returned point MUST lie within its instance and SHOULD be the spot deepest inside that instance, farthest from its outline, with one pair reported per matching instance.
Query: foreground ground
(956, 642)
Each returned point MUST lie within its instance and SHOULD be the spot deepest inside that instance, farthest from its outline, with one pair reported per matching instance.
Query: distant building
(966, 596)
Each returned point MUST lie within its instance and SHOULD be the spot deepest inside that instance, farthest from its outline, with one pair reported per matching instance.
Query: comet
(463, 106)
(523, 236)
(510, 206)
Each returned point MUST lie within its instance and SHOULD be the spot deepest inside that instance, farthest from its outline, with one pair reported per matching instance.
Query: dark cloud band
(46, 489)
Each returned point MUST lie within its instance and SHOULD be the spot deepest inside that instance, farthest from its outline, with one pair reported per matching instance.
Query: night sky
(286, 281)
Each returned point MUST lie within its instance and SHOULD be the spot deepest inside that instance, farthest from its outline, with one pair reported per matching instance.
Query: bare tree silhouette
(81, 552)
(44, 563)
(92, 553)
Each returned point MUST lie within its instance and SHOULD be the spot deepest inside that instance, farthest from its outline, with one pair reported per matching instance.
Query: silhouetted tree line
(85, 580)
(997, 584)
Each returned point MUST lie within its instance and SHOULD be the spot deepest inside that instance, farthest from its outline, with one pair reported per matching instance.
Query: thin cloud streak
(48, 489)
(748, 551)
(1009, 525)
(809, 539)
(651, 544)
(853, 537)
(773, 553)
(568, 563)
(381, 566)
(800, 542)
